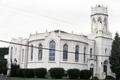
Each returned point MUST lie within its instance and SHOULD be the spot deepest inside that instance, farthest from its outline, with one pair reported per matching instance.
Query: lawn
(30, 79)
(11, 78)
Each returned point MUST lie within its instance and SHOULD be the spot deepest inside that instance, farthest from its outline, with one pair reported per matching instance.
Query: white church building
(67, 50)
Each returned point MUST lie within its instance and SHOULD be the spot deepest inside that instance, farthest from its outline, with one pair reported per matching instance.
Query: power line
(50, 49)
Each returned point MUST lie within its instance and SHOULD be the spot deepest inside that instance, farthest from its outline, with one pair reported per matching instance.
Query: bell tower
(99, 19)
(103, 40)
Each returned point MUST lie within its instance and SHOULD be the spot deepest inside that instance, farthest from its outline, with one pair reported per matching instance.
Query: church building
(67, 50)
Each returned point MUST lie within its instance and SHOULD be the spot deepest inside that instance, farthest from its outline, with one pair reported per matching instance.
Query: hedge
(29, 73)
(73, 73)
(85, 74)
(40, 72)
(14, 69)
(57, 73)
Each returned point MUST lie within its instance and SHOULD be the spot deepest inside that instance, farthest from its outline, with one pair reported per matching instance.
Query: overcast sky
(19, 18)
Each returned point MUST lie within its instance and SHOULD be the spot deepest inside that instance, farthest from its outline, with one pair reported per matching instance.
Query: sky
(20, 18)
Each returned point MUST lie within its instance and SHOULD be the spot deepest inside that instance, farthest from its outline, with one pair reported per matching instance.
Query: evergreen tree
(115, 56)
(3, 62)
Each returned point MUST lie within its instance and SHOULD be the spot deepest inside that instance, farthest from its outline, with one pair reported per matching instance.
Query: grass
(15, 78)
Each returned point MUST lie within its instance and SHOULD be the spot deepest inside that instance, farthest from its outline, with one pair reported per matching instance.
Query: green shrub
(13, 72)
(109, 78)
(73, 73)
(85, 74)
(57, 73)
(3, 68)
(20, 73)
(4, 71)
(28, 73)
(40, 72)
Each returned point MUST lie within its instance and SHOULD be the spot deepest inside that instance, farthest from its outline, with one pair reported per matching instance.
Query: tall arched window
(99, 20)
(90, 52)
(105, 66)
(65, 52)
(31, 52)
(92, 68)
(105, 21)
(52, 51)
(76, 53)
(84, 53)
(40, 52)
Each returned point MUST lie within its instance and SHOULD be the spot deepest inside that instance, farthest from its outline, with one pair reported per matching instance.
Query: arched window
(40, 52)
(92, 68)
(65, 52)
(105, 66)
(76, 53)
(90, 52)
(31, 52)
(52, 51)
(84, 53)
(99, 20)
(105, 21)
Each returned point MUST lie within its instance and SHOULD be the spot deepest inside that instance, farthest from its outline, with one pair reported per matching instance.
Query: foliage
(85, 74)
(3, 68)
(3, 51)
(115, 55)
(73, 73)
(3, 62)
(14, 69)
(28, 73)
(19, 73)
(57, 73)
(109, 78)
(40, 72)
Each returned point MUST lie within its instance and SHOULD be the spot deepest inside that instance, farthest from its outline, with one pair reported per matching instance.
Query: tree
(115, 56)
(3, 62)
(3, 51)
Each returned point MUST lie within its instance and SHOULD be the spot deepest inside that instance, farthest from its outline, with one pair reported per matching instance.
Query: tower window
(52, 51)
(92, 68)
(105, 21)
(65, 52)
(99, 20)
